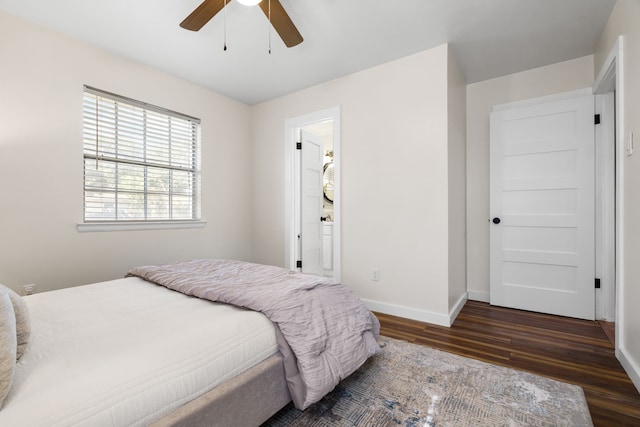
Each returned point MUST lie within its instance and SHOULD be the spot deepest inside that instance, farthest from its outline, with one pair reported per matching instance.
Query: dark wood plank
(575, 351)
(609, 329)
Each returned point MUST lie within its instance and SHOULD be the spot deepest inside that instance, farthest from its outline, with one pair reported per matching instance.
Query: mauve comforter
(329, 330)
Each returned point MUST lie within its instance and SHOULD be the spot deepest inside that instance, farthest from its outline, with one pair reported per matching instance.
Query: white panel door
(542, 208)
(311, 210)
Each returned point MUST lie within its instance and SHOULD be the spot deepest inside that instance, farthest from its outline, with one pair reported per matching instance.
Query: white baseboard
(453, 313)
(408, 312)
(629, 366)
(478, 296)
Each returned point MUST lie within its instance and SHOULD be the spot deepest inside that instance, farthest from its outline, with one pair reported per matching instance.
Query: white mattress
(126, 352)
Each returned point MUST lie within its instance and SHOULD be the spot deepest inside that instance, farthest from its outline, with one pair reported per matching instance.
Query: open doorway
(312, 193)
(323, 132)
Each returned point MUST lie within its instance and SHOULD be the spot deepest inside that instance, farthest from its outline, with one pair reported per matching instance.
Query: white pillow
(8, 343)
(23, 321)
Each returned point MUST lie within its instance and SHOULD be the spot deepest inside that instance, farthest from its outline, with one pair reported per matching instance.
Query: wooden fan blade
(282, 23)
(202, 14)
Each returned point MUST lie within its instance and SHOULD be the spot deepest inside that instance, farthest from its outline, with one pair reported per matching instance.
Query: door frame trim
(291, 186)
(605, 207)
(611, 78)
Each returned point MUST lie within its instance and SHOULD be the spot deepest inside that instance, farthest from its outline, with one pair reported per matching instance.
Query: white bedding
(126, 352)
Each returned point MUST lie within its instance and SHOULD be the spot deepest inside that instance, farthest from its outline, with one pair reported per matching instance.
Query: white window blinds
(141, 162)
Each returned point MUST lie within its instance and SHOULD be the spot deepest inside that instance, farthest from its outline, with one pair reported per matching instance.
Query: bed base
(249, 399)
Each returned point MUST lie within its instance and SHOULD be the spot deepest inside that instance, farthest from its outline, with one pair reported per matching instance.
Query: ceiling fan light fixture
(279, 19)
(249, 2)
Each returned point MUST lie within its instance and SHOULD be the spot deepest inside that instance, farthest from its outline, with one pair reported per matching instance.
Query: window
(141, 162)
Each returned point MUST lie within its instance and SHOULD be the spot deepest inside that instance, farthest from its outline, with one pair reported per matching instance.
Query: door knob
(496, 220)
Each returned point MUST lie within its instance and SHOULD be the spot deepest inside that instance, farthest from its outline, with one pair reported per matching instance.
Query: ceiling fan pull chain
(269, 27)
(225, 25)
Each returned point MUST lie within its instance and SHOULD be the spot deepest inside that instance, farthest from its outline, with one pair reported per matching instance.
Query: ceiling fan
(279, 18)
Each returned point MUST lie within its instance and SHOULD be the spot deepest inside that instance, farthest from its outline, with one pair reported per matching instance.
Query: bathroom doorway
(312, 194)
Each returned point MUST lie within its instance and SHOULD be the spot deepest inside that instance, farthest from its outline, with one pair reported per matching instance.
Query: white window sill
(88, 227)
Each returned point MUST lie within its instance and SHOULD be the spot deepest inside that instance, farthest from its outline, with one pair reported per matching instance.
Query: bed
(133, 352)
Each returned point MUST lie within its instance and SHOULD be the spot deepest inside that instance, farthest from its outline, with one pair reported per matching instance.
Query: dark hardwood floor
(570, 350)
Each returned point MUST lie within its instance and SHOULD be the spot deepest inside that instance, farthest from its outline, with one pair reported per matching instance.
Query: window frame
(189, 166)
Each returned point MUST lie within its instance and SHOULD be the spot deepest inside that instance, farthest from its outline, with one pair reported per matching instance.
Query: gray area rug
(412, 385)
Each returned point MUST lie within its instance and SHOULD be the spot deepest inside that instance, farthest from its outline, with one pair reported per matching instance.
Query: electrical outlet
(375, 275)
(28, 289)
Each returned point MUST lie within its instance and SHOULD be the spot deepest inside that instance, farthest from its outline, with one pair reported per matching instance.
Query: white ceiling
(489, 38)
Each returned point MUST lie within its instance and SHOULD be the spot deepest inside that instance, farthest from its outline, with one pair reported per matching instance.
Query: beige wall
(561, 77)
(624, 21)
(41, 81)
(394, 174)
(395, 208)
(457, 130)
